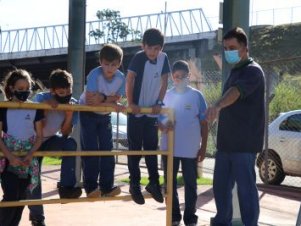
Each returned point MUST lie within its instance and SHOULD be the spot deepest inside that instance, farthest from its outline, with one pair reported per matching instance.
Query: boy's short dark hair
(180, 65)
(152, 37)
(60, 79)
(111, 52)
(237, 33)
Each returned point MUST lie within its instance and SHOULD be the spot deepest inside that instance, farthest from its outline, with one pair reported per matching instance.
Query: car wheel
(275, 174)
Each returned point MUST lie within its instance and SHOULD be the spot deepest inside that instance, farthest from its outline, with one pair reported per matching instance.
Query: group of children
(145, 85)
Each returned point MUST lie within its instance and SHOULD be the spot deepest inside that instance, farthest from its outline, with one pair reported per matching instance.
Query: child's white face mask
(181, 85)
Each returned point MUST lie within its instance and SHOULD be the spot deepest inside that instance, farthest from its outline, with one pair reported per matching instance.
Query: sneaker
(38, 223)
(136, 194)
(69, 192)
(155, 190)
(175, 223)
(113, 192)
(94, 194)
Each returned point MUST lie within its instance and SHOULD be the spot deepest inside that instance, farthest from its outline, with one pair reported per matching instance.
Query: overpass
(40, 49)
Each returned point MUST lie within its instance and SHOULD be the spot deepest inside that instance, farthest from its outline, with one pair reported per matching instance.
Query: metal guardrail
(175, 23)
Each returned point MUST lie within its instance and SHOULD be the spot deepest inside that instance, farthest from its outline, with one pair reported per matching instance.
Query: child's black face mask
(22, 95)
(63, 99)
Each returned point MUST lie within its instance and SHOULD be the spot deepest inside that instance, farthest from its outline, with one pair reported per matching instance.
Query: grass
(52, 161)
(200, 181)
(144, 180)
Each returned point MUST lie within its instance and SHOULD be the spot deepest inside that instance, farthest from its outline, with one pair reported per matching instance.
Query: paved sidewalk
(279, 207)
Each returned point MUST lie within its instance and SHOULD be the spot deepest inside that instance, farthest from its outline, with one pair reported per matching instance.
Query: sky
(33, 13)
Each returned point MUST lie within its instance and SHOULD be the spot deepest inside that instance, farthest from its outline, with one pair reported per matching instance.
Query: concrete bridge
(42, 49)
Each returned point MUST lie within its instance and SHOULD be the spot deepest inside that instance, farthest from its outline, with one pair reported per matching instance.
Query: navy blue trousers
(67, 175)
(142, 133)
(189, 172)
(96, 135)
(239, 168)
(14, 189)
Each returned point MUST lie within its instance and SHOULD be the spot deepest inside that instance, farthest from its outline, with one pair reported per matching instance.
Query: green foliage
(200, 181)
(52, 161)
(212, 92)
(275, 42)
(286, 98)
(113, 28)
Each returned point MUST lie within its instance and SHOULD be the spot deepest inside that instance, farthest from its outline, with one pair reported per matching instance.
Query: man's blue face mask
(232, 56)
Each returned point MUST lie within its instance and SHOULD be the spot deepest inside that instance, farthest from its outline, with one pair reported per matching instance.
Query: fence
(175, 23)
(62, 107)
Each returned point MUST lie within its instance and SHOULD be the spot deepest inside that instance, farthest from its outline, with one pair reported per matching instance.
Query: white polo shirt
(189, 108)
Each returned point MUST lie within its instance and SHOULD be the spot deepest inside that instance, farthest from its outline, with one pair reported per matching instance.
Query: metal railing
(64, 107)
(276, 16)
(175, 23)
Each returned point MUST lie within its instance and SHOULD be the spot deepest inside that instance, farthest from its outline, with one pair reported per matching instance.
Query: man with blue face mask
(240, 113)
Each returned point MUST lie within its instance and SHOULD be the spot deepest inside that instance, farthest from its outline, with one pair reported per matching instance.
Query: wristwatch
(159, 102)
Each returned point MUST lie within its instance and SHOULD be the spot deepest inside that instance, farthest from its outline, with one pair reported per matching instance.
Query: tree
(113, 28)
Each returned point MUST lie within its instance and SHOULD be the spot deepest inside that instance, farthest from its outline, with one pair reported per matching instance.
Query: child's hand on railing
(120, 108)
(135, 108)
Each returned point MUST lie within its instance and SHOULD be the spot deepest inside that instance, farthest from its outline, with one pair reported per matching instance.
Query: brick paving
(278, 206)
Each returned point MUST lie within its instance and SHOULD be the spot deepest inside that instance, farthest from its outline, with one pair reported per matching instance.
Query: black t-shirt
(241, 125)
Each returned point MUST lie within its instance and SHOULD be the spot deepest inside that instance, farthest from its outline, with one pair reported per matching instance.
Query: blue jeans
(189, 172)
(96, 135)
(142, 132)
(68, 177)
(239, 168)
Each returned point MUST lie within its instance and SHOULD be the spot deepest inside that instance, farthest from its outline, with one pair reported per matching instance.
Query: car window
(292, 123)
(122, 119)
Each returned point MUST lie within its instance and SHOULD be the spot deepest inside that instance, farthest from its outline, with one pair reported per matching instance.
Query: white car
(119, 129)
(284, 152)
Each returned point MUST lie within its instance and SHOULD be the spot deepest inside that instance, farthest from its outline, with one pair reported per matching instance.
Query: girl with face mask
(21, 131)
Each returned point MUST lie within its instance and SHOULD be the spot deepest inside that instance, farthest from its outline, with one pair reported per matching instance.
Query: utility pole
(76, 44)
(76, 59)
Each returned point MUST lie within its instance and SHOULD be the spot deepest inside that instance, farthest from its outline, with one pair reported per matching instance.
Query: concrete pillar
(76, 59)
(235, 13)
(76, 44)
(191, 53)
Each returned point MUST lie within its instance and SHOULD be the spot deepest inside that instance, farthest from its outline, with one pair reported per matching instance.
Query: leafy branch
(113, 29)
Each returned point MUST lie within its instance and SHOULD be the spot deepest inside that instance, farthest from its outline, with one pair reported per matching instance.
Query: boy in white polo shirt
(191, 133)
(105, 86)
